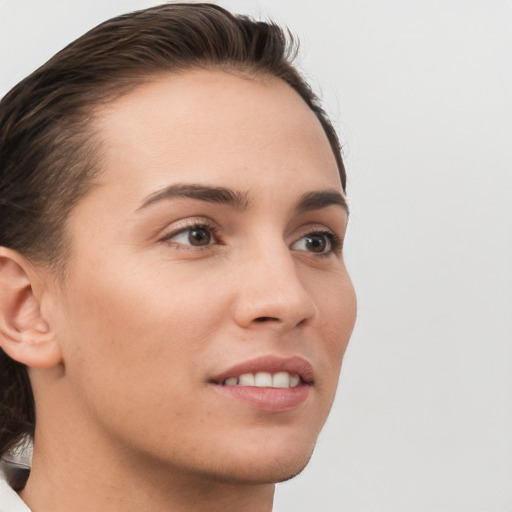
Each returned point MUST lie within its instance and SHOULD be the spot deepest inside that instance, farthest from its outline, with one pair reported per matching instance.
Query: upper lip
(271, 364)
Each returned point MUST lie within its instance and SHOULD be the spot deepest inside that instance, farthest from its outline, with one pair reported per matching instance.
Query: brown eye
(316, 243)
(199, 236)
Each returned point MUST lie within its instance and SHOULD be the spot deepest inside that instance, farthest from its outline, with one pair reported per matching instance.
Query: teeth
(265, 380)
(281, 380)
(247, 379)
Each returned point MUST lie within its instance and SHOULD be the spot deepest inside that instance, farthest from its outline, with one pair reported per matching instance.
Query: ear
(25, 336)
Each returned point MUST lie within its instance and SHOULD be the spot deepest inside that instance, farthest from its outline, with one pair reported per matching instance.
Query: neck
(67, 479)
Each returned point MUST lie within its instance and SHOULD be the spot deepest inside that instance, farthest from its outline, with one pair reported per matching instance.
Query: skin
(128, 418)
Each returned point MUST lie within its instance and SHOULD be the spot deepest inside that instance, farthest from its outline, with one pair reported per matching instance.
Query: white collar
(9, 499)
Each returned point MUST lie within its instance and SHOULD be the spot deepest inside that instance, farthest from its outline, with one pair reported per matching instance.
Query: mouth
(268, 371)
(268, 383)
(279, 380)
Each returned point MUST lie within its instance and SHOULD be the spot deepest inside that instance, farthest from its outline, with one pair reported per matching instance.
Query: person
(174, 305)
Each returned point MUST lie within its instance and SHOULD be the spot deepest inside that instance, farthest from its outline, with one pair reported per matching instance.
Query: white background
(421, 93)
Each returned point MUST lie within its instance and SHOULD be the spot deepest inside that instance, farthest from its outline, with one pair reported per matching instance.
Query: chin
(265, 466)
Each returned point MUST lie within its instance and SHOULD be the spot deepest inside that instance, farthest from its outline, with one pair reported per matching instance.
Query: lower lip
(268, 399)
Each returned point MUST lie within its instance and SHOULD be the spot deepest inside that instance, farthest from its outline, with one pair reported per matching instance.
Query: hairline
(90, 117)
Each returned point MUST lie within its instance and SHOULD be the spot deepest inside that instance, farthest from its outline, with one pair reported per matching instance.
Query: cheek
(135, 346)
(337, 314)
(126, 325)
(139, 297)
(337, 311)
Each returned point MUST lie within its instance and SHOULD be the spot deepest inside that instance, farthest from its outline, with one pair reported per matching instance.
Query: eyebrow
(321, 199)
(314, 200)
(220, 195)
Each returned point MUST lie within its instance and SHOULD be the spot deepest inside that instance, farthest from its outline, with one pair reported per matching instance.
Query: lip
(270, 364)
(267, 399)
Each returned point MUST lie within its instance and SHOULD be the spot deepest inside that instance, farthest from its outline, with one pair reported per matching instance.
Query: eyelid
(187, 224)
(335, 239)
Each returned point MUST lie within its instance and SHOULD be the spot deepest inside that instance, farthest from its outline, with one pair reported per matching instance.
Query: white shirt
(9, 499)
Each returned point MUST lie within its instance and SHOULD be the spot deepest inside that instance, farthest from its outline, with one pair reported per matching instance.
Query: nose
(271, 292)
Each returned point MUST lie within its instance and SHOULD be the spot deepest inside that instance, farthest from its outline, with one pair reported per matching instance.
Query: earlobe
(25, 336)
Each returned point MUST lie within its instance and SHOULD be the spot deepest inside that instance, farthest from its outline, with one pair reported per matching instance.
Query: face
(207, 306)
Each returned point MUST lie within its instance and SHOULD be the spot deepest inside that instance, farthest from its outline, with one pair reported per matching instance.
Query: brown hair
(47, 148)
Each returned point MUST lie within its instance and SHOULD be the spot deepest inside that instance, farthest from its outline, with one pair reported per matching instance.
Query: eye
(196, 235)
(318, 242)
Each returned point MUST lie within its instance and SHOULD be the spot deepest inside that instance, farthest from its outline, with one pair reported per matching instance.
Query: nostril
(261, 319)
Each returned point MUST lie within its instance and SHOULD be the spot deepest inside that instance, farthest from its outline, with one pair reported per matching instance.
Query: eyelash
(189, 227)
(335, 241)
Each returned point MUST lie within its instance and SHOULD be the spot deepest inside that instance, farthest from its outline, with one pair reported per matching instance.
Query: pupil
(199, 236)
(316, 243)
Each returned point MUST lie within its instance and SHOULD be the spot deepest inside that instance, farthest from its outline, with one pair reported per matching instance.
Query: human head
(50, 156)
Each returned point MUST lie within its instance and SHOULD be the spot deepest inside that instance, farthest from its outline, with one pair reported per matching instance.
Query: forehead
(206, 126)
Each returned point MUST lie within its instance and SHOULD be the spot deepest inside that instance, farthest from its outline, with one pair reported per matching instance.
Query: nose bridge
(270, 287)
